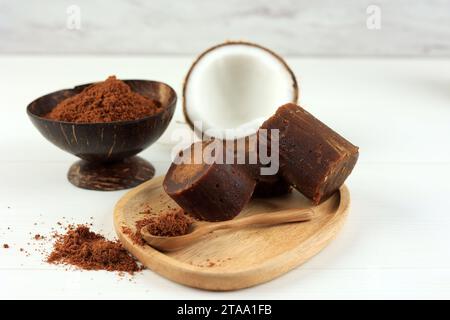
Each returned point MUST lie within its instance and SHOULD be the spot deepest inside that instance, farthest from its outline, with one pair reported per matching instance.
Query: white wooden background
(395, 243)
(292, 27)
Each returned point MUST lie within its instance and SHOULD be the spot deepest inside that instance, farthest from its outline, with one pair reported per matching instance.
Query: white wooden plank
(394, 245)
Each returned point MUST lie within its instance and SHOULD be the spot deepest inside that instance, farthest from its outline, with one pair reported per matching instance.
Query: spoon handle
(271, 218)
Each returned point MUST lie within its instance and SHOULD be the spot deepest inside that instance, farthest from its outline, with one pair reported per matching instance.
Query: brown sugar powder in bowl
(107, 101)
(87, 250)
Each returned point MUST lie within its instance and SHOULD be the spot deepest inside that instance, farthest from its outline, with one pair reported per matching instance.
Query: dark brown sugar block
(271, 186)
(211, 191)
(313, 158)
(266, 185)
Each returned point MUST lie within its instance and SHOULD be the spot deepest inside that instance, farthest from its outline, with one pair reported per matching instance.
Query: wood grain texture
(110, 176)
(199, 229)
(224, 260)
(293, 27)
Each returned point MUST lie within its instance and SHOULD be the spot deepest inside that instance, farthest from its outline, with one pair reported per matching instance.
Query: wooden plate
(230, 260)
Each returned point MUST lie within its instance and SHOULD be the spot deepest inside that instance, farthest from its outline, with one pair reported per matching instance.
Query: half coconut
(232, 88)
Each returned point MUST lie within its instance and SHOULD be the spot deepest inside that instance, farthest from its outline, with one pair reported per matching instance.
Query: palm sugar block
(312, 157)
(271, 186)
(211, 190)
(267, 186)
(246, 154)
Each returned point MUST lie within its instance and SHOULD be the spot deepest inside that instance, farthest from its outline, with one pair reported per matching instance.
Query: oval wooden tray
(230, 260)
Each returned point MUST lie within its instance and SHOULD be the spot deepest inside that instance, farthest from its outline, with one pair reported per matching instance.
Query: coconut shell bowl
(107, 150)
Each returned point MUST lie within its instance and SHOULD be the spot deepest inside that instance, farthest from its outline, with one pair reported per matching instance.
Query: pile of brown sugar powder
(87, 250)
(107, 101)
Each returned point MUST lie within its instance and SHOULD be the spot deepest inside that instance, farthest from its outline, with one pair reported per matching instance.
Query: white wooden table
(396, 243)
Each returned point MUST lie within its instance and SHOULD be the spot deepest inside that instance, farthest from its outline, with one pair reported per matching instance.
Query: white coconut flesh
(232, 89)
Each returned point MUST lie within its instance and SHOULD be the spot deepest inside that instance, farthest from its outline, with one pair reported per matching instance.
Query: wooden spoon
(199, 229)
